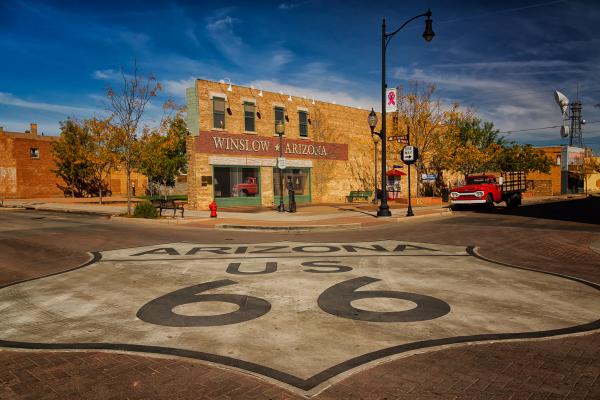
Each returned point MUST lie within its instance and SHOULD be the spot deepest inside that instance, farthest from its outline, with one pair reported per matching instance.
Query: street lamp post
(428, 34)
(409, 211)
(375, 136)
(280, 129)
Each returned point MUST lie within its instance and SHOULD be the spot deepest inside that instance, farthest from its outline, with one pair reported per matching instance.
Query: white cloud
(177, 88)
(104, 74)
(290, 6)
(10, 100)
(338, 96)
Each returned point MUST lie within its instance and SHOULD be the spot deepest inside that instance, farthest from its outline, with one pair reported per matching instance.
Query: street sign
(409, 154)
(281, 162)
(399, 139)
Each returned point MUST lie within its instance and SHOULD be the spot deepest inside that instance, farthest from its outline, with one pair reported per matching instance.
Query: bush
(145, 210)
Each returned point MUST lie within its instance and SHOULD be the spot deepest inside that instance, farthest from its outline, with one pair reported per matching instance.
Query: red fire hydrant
(213, 209)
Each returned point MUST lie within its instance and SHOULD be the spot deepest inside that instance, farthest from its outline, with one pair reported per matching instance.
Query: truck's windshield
(476, 180)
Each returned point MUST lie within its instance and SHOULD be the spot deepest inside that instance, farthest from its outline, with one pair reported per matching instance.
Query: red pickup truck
(248, 188)
(487, 189)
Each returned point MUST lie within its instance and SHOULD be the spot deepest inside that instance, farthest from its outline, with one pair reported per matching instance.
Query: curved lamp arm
(388, 36)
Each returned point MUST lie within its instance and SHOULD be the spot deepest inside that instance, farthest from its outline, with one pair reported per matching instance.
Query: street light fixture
(280, 130)
(428, 34)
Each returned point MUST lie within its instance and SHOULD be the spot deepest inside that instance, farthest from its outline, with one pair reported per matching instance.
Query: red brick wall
(8, 168)
(34, 175)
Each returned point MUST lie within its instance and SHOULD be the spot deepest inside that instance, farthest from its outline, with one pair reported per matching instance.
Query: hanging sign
(391, 101)
(281, 162)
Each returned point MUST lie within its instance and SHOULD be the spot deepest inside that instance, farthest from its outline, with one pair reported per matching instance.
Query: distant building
(26, 165)
(564, 176)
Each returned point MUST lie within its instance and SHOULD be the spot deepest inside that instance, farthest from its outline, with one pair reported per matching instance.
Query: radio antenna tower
(573, 130)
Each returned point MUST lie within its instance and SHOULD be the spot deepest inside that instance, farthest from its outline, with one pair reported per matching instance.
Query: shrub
(145, 210)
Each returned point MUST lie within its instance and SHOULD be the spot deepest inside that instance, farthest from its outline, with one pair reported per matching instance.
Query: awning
(395, 172)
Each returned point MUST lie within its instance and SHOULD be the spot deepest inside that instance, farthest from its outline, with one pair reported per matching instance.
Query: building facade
(565, 175)
(26, 165)
(233, 148)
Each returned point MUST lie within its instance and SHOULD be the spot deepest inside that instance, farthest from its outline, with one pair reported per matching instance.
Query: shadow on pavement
(586, 210)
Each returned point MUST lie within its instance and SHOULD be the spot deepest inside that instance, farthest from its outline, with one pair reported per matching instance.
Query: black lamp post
(428, 34)
(280, 129)
(375, 141)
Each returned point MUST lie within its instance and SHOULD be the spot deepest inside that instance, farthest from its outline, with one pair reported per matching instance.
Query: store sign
(571, 157)
(233, 144)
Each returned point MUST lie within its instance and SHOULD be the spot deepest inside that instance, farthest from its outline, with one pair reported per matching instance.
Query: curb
(288, 228)
(595, 246)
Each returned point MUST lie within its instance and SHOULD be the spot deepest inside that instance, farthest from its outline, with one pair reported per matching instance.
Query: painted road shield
(300, 313)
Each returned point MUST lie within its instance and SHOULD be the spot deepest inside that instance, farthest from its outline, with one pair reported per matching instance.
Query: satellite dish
(562, 101)
(564, 131)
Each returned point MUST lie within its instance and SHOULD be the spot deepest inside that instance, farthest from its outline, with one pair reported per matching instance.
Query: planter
(421, 201)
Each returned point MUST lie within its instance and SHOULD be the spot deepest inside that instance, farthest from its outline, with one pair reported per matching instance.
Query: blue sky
(501, 58)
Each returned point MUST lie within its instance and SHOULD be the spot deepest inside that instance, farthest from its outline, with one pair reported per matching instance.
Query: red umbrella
(395, 172)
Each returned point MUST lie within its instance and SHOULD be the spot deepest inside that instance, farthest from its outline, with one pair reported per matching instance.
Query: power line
(545, 127)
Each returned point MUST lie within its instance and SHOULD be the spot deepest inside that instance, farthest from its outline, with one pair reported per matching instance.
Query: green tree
(102, 150)
(516, 157)
(475, 143)
(81, 157)
(163, 154)
(69, 155)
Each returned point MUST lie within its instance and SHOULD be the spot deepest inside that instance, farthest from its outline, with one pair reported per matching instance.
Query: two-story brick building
(26, 165)
(233, 147)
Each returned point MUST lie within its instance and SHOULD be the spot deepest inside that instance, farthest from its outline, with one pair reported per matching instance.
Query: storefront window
(236, 182)
(299, 178)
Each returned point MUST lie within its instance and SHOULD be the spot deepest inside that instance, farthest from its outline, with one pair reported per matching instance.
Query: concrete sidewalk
(312, 217)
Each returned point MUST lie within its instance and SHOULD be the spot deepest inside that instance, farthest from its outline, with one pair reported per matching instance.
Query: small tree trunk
(101, 192)
(128, 169)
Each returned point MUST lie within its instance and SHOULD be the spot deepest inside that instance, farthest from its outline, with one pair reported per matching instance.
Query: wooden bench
(359, 194)
(169, 205)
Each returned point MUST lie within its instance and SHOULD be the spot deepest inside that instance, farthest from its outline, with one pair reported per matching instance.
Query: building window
(218, 113)
(236, 182)
(279, 116)
(298, 178)
(303, 118)
(34, 152)
(249, 117)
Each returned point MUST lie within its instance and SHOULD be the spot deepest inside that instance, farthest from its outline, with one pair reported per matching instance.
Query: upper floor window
(303, 120)
(34, 152)
(218, 112)
(249, 117)
(279, 115)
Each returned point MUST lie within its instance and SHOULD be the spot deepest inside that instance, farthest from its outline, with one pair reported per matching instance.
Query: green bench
(359, 194)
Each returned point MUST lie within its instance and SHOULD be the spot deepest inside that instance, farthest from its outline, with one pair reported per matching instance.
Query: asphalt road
(553, 238)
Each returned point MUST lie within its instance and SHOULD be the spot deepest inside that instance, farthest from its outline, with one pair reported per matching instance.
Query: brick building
(26, 165)
(563, 177)
(233, 147)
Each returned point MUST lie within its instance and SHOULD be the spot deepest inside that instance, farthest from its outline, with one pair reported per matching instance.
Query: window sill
(250, 132)
(303, 137)
(218, 129)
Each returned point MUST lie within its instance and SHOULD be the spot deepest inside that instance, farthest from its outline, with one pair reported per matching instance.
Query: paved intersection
(293, 330)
